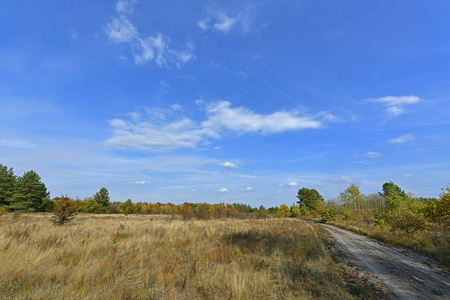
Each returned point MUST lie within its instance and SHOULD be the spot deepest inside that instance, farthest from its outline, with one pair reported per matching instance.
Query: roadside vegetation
(162, 257)
(392, 216)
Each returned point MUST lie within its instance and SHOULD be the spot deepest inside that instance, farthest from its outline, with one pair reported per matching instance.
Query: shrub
(64, 210)
(410, 222)
(380, 222)
(347, 214)
(328, 214)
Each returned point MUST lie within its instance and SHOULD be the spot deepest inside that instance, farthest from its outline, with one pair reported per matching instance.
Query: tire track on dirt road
(402, 276)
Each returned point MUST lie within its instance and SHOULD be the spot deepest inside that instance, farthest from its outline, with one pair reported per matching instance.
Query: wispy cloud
(140, 182)
(395, 105)
(249, 188)
(402, 139)
(221, 22)
(124, 6)
(15, 143)
(229, 165)
(223, 190)
(373, 154)
(158, 130)
(120, 30)
(291, 183)
(152, 48)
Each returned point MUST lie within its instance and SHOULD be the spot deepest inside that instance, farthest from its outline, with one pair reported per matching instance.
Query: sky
(226, 101)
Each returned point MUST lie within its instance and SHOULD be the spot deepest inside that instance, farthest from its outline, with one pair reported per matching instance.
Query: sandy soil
(401, 275)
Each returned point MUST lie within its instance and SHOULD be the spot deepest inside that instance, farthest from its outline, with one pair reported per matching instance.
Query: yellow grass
(152, 257)
(428, 242)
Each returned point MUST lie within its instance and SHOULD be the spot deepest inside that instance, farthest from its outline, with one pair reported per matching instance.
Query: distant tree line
(391, 207)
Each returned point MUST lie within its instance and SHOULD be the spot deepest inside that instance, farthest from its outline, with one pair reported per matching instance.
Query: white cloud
(124, 6)
(408, 174)
(152, 48)
(402, 139)
(221, 22)
(395, 104)
(224, 23)
(176, 107)
(203, 24)
(241, 119)
(140, 182)
(292, 183)
(121, 30)
(156, 130)
(148, 136)
(249, 188)
(373, 154)
(229, 165)
(222, 190)
(393, 101)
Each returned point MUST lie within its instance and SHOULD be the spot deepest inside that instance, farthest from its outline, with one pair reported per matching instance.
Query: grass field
(153, 257)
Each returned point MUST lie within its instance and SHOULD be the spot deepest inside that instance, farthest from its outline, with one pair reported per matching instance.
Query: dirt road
(402, 275)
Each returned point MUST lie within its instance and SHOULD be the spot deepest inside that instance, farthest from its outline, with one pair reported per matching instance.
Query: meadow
(162, 257)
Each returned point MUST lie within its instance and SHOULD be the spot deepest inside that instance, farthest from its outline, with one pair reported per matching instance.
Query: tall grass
(149, 257)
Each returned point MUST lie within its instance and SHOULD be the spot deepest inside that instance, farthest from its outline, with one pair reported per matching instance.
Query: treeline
(392, 207)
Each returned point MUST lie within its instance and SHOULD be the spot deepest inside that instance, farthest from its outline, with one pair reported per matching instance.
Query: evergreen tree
(395, 198)
(7, 185)
(30, 193)
(102, 198)
(308, 198)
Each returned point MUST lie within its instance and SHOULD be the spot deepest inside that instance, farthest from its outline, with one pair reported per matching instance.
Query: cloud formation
(157, 131)
(222, 190)
(402, 139)
(395, 105)
(241, 119)
(152, 48)
(373, 154)
(229, 165)
(219, 21)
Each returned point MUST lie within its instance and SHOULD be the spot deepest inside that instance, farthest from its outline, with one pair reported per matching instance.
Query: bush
(64, 210)
(410, 222)
(328, 214)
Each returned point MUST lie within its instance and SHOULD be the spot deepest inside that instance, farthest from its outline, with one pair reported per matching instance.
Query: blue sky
(230, 101)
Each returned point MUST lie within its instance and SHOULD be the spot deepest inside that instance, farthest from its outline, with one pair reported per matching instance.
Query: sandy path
(402, 276)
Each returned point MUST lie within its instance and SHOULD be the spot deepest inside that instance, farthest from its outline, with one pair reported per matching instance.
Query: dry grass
(148, 257)
(430, 242)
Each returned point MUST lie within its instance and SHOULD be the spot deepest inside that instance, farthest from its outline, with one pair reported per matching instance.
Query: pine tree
(102, 198)
(7, 184)
(30, 193)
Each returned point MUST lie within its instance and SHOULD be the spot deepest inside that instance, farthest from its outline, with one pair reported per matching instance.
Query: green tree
(395, 199)
(102, 199)
(7, 185)
(308, 198)
(352, 197)
(30, 193)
